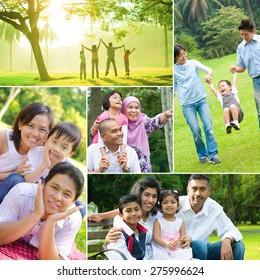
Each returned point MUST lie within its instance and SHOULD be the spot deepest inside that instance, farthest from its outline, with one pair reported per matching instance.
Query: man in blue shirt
(248, 56)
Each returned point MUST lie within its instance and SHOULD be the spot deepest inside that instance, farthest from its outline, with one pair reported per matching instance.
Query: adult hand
(226, 250)
(113, 235)
(23, 167)
(232, 69)
(185, 241)
(207, 78)
(39, 208)
(95, 217)
(54, 218)
(104, 164)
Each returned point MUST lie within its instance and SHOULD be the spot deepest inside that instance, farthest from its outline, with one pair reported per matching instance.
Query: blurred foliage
(105, 191)
(67, 104)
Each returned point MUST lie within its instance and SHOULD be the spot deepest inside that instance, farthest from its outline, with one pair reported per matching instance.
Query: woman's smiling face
(132, 111)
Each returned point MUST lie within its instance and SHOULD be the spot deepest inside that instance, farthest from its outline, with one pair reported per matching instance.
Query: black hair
(25, 117)
(246, 24)
(165, 193)
(127, 199)
(72, 172)
(143, 184)
(70, 131)
(105, 100)
(226, 81)
(177, 51)
(103, 125)
(199, 177)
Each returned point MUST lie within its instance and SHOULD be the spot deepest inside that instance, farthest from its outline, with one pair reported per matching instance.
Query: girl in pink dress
(112, 104)
(168, 229)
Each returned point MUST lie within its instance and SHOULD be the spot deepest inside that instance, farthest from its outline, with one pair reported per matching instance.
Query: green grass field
(239, 151)
(251, 239)
(138, 77)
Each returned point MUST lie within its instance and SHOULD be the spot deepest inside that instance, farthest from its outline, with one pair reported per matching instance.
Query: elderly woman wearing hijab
(139, 128)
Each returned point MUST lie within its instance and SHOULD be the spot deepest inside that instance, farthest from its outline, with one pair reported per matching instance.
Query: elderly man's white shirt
(94, 157)
(211, 217)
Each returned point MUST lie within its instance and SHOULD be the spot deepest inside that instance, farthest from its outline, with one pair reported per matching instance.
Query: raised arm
(86, 48)
(104, 43)
(234, 81)
(132, 50)
(99, 44)
(165, 116)
(212, 88)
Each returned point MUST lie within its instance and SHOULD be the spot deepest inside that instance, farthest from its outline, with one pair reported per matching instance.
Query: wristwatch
(232, 239)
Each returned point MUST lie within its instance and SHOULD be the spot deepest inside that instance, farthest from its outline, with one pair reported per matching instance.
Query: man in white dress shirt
(116, 161)
(202, 215)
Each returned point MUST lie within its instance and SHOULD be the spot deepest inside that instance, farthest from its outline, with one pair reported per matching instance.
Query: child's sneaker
(215, 159)
(235, 125)
(229, 129)
(203, 159)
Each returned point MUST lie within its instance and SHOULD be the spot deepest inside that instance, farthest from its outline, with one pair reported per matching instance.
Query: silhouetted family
(110, 59)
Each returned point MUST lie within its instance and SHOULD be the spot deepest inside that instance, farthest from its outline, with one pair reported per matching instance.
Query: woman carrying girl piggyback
(168, 230)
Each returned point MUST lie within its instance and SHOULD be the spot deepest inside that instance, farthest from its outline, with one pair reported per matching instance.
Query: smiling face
(182, 58)
(198, 191)
(115, 101)
(132, 111)
(247, 35)
(149, 198)
(169, 206)
(131, 214)
(224, 88)
(34, 133)
(112, 135)
(58, 194)
(59, 148)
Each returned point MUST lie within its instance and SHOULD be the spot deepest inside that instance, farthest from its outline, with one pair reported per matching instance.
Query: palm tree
(47, 34)
(10, 34)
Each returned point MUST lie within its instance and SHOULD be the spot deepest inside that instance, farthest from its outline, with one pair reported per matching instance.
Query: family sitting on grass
(110, 59)
(42, 186)
(152, 223)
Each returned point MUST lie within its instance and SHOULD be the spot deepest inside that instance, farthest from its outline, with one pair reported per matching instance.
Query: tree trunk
(34, 41)
(167, 103)
(231, 184)
(250, 14)
(13, 93)
(95, 105)
(166, 49)
(11, 55)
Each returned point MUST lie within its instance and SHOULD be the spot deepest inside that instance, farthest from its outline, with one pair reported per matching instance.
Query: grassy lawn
(138, 77)
(251, 239)
(239, 151)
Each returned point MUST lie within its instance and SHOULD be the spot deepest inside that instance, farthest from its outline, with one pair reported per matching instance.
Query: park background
(209, 32)
(153, 100)
(239, 194)
(67, 104)
(55, 31)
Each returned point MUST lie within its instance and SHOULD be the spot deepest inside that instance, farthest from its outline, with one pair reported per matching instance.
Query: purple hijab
(136, 135)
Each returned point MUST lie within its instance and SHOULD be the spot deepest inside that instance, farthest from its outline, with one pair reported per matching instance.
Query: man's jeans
(190, 113)
(211, 251)
(256, 84)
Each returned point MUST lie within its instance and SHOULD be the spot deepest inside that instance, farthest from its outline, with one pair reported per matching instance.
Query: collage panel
(131, 130)
(173, 216)
(86, 43)
(43, 173)
(216, 79)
